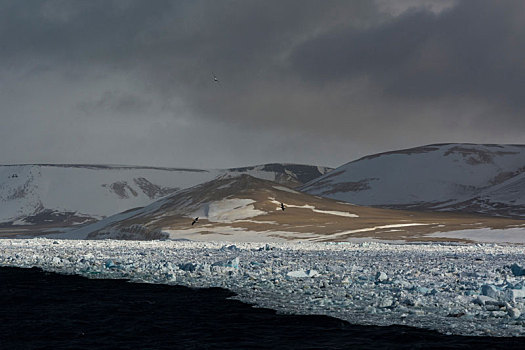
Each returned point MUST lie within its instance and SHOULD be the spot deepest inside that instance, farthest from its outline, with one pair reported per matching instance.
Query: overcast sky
(314, 82)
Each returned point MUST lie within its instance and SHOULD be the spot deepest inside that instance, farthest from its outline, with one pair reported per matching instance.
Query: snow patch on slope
(368, 229)
(486, 235)
(285, 189)
(228, 210)
(311, 207)
(210, 233)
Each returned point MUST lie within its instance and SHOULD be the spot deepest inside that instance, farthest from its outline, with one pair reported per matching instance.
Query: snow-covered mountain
(486, 179)
(244, 208)
(41, 194)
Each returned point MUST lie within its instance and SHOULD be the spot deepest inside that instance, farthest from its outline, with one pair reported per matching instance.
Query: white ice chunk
(381, 276)
(302, 273)
(490, 291)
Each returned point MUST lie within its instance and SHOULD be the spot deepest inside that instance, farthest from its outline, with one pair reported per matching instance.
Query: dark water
(41, 310)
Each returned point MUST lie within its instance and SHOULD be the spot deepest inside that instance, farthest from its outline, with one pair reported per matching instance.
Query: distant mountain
(291, 175)
(472, 178)
(244, 208)
(70, 194)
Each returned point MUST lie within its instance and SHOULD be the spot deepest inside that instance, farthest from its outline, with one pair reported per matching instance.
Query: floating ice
(514, 312)
(109, 264)
(381, 276)
(302, 273)
(386, 302)
(485, 300)
(517, 270)
(512, 294)
(266, 247)
(490, 291)
(234, 263)
(452, 288)
(190, 267)
(232, 247)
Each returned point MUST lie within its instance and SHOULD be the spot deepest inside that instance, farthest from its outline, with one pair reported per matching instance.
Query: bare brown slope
(305, 217)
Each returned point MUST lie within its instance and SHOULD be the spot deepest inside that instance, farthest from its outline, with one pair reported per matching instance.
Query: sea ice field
(463, 289)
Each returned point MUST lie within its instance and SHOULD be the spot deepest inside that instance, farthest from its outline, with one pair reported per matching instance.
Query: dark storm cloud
(119, 103)
(80, 30)
(232, 33)
(475, 49)
(303, 81)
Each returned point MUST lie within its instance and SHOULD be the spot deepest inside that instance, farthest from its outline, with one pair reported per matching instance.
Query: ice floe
(476, 289)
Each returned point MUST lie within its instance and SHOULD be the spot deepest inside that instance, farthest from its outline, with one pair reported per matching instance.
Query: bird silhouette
(282, 206)
(195, 220)
(215, 79)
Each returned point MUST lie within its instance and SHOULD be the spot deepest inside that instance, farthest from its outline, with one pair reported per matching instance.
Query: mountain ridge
(462, 177)
(79, 193)
(248, 208)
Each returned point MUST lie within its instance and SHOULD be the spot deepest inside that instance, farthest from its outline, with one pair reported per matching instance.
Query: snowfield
(486, 235)
(472, 178)
(476, 289)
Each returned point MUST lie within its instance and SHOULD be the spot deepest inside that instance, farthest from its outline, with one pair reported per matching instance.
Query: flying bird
(282, 206)
(195, 220)
(215, 79)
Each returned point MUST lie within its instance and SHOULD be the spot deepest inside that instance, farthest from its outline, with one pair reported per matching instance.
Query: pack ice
(452, 288)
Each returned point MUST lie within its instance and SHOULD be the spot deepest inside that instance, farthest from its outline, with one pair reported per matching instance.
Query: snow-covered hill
(244, 208)
(486, 179)
(73, 194)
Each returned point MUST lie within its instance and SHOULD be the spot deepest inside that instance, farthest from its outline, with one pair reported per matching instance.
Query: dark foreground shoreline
(40, 310)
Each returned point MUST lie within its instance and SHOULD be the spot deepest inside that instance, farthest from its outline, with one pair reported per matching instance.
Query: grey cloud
(304, 81)
(473, 49)
(117, 102)
(74, 30)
